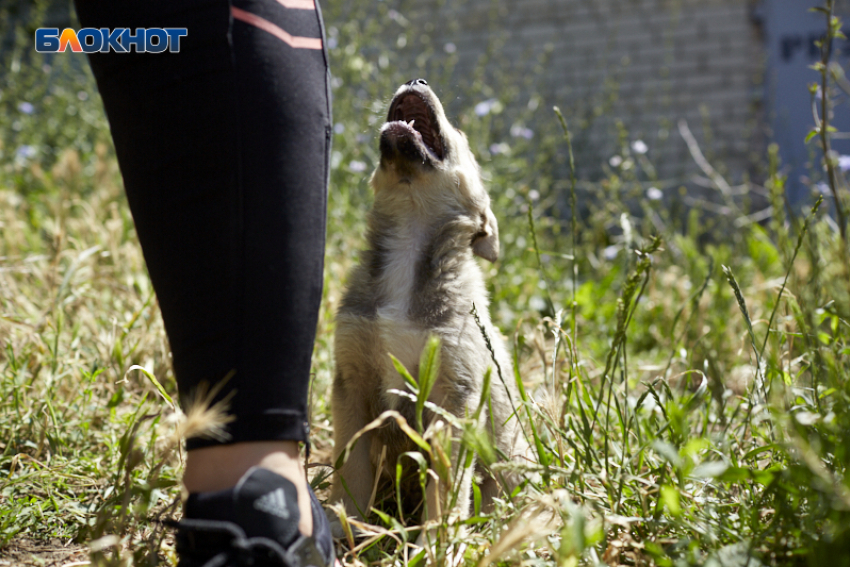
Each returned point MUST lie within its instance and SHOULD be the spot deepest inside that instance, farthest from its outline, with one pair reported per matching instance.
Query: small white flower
(806, 417)
(534, 194)
(639, 147)
(823, 188)
(357, 166)
(844, 163)
(611, 252)
(397, 17)
(654, 194)
(450, 47)
(615, 161)
(26, 107)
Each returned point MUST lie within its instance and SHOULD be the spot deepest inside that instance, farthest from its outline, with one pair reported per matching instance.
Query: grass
(685, 380)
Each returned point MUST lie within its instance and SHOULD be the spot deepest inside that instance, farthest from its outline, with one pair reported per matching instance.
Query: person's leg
(223, 149)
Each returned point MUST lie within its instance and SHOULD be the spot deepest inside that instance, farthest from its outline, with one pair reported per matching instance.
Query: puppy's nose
(415, 82)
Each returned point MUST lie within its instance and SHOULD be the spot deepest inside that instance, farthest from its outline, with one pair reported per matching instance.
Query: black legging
(224, 152)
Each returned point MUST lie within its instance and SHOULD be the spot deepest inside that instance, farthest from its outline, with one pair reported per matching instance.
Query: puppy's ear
(485, 243)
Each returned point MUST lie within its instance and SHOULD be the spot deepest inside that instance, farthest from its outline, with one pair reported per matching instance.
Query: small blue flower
(500, 148)
(25, 152)
(518, 131)
(26, 107)
(483, 108)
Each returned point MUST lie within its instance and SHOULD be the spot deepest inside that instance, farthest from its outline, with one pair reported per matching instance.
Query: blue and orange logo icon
(119, 40)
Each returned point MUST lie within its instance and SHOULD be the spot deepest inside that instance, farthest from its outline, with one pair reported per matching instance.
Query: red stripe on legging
(265, 25)
(298, 4)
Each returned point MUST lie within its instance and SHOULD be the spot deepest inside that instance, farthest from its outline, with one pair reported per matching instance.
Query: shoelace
(208, 543)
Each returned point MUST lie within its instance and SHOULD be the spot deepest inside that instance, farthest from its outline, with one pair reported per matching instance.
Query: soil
(43, 553)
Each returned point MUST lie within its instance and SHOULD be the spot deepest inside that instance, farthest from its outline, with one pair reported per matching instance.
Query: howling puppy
(418, 278)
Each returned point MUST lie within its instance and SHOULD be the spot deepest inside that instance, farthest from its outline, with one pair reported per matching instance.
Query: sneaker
(254, 523)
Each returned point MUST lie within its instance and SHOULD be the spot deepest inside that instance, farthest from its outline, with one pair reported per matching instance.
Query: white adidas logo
(273, 503)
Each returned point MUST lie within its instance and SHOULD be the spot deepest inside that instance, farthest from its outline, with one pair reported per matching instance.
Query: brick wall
(645, 62)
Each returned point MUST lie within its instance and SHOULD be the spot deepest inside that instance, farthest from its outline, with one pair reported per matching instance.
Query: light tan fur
(418, 277)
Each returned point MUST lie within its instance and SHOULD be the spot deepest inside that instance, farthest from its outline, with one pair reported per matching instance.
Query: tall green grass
(684, 378)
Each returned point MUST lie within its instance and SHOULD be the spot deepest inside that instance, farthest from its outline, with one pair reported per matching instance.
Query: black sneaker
(254, 523)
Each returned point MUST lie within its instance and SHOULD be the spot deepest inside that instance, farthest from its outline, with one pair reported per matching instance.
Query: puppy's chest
(396, 288)
(400, 267)
(402, 289)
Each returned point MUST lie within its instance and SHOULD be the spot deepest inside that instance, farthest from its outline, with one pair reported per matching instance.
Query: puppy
(418, 278)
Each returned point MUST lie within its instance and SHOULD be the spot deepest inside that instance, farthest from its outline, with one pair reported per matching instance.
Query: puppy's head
(426, 164)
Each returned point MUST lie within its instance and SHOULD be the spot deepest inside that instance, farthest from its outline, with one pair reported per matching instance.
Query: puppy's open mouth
(411, 116)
